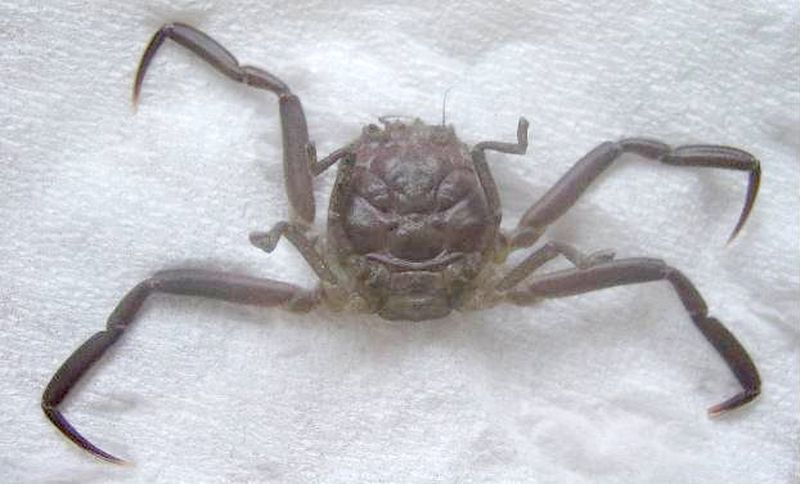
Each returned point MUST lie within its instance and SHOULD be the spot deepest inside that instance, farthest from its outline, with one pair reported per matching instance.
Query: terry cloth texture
(609, 387)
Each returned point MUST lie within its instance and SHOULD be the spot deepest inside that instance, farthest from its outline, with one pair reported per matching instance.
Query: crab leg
(267, 241)
(209, 284)
(296, 163)
(318, 166)
(639, 270)
(482, 168)
(545, 254)
(571, 186)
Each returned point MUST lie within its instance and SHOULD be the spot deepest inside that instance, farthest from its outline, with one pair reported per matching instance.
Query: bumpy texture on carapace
(409, 219)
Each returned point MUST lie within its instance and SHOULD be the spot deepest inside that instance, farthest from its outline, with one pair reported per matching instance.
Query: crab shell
(409, 222)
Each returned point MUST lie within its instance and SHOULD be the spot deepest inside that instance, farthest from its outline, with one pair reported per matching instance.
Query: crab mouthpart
(435, 264)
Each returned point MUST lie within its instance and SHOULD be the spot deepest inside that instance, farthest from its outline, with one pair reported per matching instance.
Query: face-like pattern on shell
(415, 218)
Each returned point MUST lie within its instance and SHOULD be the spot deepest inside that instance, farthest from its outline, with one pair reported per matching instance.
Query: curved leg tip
(61, 423)
(733, 403)
(111, 459)
(750, 199)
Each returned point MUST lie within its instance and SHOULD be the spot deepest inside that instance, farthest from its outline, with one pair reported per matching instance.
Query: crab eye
(457, 185)
(375, 191)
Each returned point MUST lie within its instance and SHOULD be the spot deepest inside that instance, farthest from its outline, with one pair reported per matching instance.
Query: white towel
(609, 387)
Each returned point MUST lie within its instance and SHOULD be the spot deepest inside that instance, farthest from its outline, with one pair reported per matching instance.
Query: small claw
(750, 199)
(61, 423)
(267, 241)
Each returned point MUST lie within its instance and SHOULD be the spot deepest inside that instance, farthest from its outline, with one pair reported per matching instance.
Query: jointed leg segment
(482, 168)
(638, 270)
(297, 169)
(318, 166)
(267, 241)
(545, 254)
(571, 186)
(214, 285)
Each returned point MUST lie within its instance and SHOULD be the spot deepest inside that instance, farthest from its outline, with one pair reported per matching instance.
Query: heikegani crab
(414, 231)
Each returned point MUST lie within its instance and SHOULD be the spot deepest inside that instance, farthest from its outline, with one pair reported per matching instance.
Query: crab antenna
(444, 104)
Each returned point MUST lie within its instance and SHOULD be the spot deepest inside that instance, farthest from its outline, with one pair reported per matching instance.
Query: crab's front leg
(297, 235)
(214, 285)
(297, 164)
(478, 154)
(639, 270)
(571, 186)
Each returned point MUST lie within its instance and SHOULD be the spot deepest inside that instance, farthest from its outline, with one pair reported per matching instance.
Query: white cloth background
(610, 387)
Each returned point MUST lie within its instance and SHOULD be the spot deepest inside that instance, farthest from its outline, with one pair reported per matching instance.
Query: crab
(414, 232)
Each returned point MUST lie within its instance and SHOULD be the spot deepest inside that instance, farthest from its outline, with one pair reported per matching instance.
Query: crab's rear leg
(638, 270)
(296, 162)
(571, 186)
(214, 285)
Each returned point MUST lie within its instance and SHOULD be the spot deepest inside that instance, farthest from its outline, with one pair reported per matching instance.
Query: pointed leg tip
(66, 429)
(110, 458)
(750, 200)
(137, 86)
(97, 452)
(742, 220)
(732, 237)
(720, 409)
(119, 462)
(737, 401)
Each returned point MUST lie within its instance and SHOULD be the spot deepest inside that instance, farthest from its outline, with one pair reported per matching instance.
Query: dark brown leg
(296, 162)
(214, 285)
(638, 270)
(571, 186)
(545, 254)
